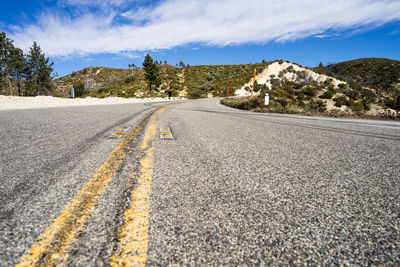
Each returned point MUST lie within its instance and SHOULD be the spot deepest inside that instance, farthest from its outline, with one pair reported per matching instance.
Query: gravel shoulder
(16, 102)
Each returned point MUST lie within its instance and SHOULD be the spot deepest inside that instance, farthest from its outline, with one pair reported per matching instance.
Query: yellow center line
(51, 247)
(133, 234)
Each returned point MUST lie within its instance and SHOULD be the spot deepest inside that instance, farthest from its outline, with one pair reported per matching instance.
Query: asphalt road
(232, 188)
(47, 155)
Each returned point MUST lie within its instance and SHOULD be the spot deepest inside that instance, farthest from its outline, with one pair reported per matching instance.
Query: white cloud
(218, 23)
(131, 55)
(93, 3)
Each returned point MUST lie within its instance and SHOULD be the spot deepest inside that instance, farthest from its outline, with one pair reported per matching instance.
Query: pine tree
(39, 80)
(152, 74)
(18, 68)
(6, 46)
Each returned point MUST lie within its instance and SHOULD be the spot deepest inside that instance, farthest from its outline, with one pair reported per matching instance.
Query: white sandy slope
(16, 102)
(275, 68)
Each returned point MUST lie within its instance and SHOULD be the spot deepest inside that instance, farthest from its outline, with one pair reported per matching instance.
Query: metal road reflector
(166, 134)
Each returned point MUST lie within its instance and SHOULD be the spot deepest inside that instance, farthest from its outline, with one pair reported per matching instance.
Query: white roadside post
(266, 99)
(72, 92)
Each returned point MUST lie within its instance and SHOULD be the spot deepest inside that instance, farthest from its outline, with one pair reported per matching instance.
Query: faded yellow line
(51, 246)
(133, 234)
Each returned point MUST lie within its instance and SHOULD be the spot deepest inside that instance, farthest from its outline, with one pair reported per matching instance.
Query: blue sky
(80, 33)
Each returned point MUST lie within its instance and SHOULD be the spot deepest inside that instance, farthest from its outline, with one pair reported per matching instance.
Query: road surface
(231, 188)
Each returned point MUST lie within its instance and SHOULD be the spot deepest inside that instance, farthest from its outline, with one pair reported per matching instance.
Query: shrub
(357, 107)
(332, 88)
(354, 85)
(310, 91)
(340, 101)
(366, 104)
(195, 93)
(342, 85)
(103, 92)
(393, 103)
(301, 104)
(368, 95)
(282, 101)
(327, 95)
(328, 82)
(275, 83)
(282, 73)
(317, 106)
(289, 90)
(79, 89)
(129, 79)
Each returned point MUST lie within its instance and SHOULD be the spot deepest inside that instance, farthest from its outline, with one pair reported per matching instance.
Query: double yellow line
(52, 246)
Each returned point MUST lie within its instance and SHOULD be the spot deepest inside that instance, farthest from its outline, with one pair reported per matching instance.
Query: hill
(190, 81)
(296, 89)
(378, 73)
(351, 88)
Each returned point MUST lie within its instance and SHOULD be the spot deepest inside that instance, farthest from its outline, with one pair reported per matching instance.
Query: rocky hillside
(355, 87)
(104, 82)
(284, 70)
(378, 74)
(190, 81)
(295, 89)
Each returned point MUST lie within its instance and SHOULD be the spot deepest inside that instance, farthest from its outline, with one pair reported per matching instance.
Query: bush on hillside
(327, 95)
(393, 103)
(317, 106)
(79, 89)
(340, 101)
(301, 97)
(356, 106)
(310, 91)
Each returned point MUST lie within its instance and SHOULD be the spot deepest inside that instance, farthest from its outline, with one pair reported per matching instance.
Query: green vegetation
(79, 89)
(38, 73)
(23, 74)
(313, 107)
(285, 97)
(191, 81)
(201, 80)
(303, 98)
(152, 74)
(104, 82)
(362, 92)
(378, 73)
